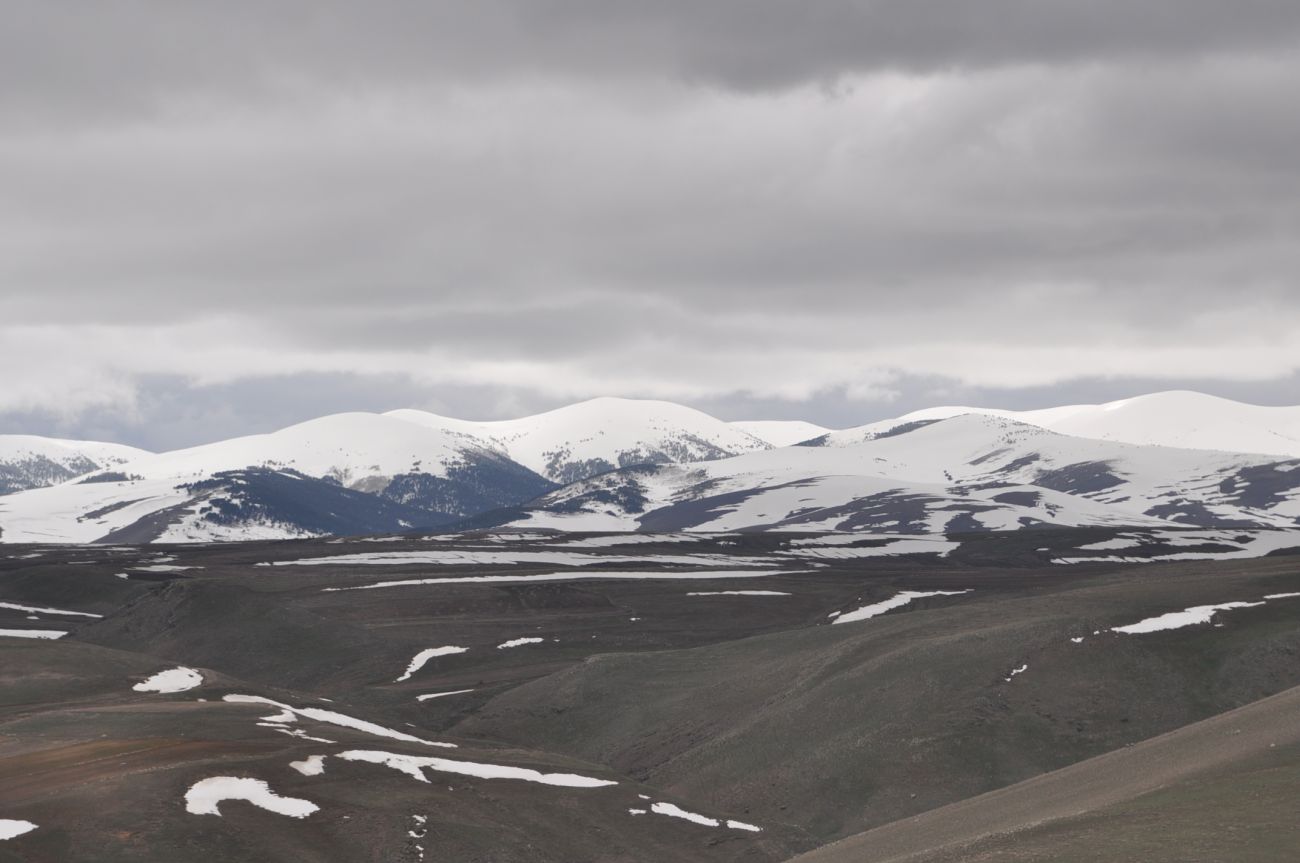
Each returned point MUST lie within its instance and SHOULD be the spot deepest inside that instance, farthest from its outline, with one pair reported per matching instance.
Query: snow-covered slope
(968, 472)
(258, 503)
(650, 465)
(781, 432)
(590, 437)
(349, 447)
(415, 469)
(30, 461)
(1175, 419)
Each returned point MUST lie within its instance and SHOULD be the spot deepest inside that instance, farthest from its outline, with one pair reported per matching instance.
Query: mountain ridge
(622, 464)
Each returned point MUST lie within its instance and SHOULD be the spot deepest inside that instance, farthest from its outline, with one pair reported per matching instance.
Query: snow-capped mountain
(646, 465)
(218, 487)
(1175, 419)
(30, 461)
(584, 439)
(781, 432)
(969, 472)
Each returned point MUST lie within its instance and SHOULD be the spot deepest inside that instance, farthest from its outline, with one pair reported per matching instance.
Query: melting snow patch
(1021, 670)
(1178, 619)
(414, 766)
(896, 601)
(9, 828)
(447, 557)
(34, 633)
(893, 546)
(37, 609)
(738, 593)
(332, 718)
(1282, 595)
(1078, 640)
(425, 655)
(518, 642)
(312, 765)
(205, 796)
(675, 811)
(300, 734)
(178, 679)
(441, 694)
(628, 539)
(580, 575)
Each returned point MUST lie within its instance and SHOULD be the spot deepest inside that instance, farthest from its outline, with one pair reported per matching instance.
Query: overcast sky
(219, 218)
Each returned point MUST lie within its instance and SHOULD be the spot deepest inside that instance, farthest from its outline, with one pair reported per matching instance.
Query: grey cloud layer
(716, 201)
(124, 51)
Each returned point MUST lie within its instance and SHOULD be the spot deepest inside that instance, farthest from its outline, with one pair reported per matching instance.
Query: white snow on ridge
(896, 545)
(578, 575)
(1182, 419)
(431, 695)
(738, 593)
(205, 796)
(11, 828)
(781, 432)
(1239, 544)
(613, 540)
(1178, 619)
(419, 660)
(415, 765)
(896, 601)
(449, 557)
(331, 717)
(180, 679)
(518, 642)
(347, 446)
(61, 513)
(609, 429)
(50, 634)
(38, 609)
(672, 810)
(17, 447)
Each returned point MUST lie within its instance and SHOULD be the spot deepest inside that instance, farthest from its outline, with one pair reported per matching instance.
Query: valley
(560, 696)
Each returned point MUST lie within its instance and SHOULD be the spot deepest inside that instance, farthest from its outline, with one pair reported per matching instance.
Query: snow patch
(9, 828)
(674, 811)
(454, 557)
(179, 679)
(206, 795)
(330, 717)
(415, 765)
(312, 765)
(418, 661)
(610, 575)
(738, 593)
(518, 642)
(432, 695)
(896, 601)
(1178, 619)
(38, 609)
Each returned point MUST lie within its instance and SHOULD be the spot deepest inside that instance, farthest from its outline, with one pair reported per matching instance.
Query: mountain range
(1166, 459)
